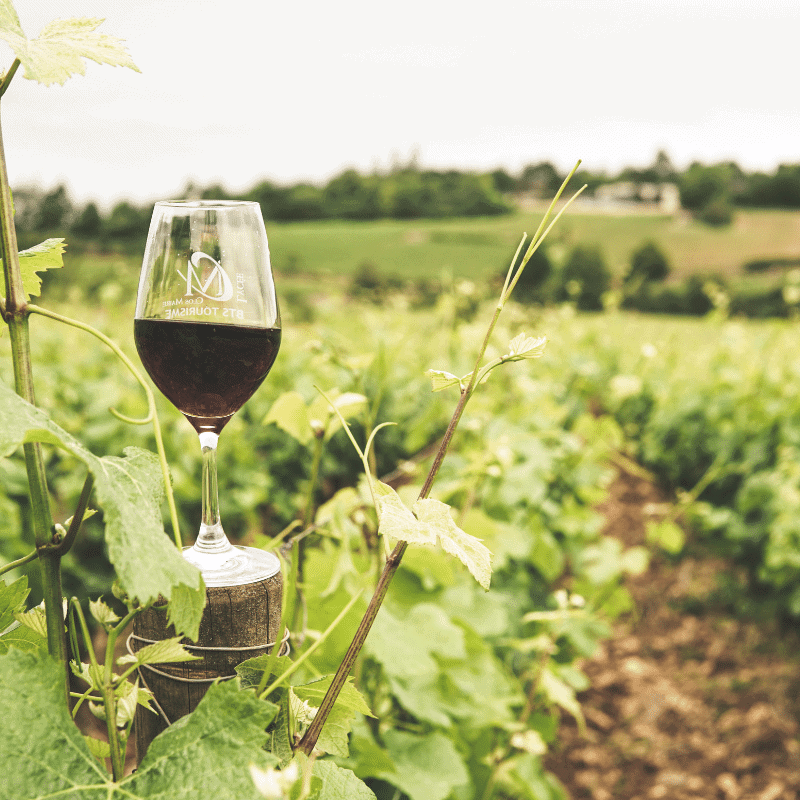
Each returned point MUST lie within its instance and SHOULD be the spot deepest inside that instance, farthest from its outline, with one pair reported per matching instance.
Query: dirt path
(685, 702)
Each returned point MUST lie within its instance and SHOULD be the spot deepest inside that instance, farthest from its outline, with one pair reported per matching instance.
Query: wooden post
(239, 622)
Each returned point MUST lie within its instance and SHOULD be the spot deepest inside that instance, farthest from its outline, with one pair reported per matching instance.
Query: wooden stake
(239, 622)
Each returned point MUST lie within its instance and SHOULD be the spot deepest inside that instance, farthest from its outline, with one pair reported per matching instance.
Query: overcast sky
(236, 91)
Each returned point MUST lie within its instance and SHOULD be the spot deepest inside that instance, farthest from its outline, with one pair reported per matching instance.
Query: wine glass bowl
(207, 329)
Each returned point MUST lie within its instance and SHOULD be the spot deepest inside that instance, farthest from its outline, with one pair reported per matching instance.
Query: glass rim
(205, 203)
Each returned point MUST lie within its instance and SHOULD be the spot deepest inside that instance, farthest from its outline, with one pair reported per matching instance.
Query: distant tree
(584, 278)
(648, 265)
(127, 222)
(698, 185)
(26, 207)
(351, 196)
(468, 195)
(270, 197)
(54, 210)
(215, 192)
(717, 212)
(301, 202)
(591, 179)
(503, 182)
(541, 179)
(88, 223)
(409, 195)
(663, 168)
(708, 191)
(785, 186)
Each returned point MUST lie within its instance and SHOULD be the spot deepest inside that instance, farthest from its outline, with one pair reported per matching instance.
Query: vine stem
(309, 740)
(393, 560)
(15, 315)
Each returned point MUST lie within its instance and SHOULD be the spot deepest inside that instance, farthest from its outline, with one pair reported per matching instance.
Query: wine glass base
(234, 567)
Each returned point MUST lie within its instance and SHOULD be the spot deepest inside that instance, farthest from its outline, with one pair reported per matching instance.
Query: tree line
(710, 192)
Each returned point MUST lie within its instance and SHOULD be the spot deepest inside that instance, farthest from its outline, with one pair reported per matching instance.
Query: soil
(687, 701)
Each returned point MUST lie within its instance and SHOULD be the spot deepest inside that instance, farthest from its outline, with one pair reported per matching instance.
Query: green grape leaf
(427, 767)
(99, 748)
(23, 638)
(405, 647)
(522, 347)
(562, 694)
(333, 738)
(61, 47)
(34, 620)
(349, 696)
(185, 609)
(429, 524)
(667, 535)
(290, 414)
(468, 549)
(166, 651)
(12, 600)
(129, 490)
(278, 740)
(251, 671)
(441, 380)
(206, 754)
(32, 697)
(44, 256)
(339, 783)
(218, 742)
(396, 521)
(102, 612)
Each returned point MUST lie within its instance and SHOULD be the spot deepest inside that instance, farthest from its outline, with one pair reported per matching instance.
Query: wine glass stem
(212, 538)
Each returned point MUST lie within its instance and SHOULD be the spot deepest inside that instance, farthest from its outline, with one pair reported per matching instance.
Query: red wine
(206, 370)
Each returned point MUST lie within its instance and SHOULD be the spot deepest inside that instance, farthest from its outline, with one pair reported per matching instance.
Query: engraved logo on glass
(218, 286)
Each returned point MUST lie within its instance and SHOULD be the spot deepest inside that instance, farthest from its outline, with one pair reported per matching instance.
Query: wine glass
(207, 329)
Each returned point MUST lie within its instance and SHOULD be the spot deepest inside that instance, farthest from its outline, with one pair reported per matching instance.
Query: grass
(474, 248)
(310, 255)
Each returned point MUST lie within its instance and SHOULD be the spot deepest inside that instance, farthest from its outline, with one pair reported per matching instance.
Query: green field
(477, 249)
(471, 247)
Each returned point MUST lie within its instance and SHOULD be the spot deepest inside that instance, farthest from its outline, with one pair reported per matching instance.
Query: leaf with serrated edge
(442, 380)
(469, 550)
(290, 414)
(9, 21)
(166, 651)
(251, 671)
(396, 521)
(47, 255)
(35, 620)
(24, 639)
(12, 600)
(339, 783)
(349, 696)
(333, 738)
(185, 609)
(102, 613)
(428, 767)
(129, 490)
(98, 747)
(522, 346)
(44, 256)
(219, 739)
(61, 47)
